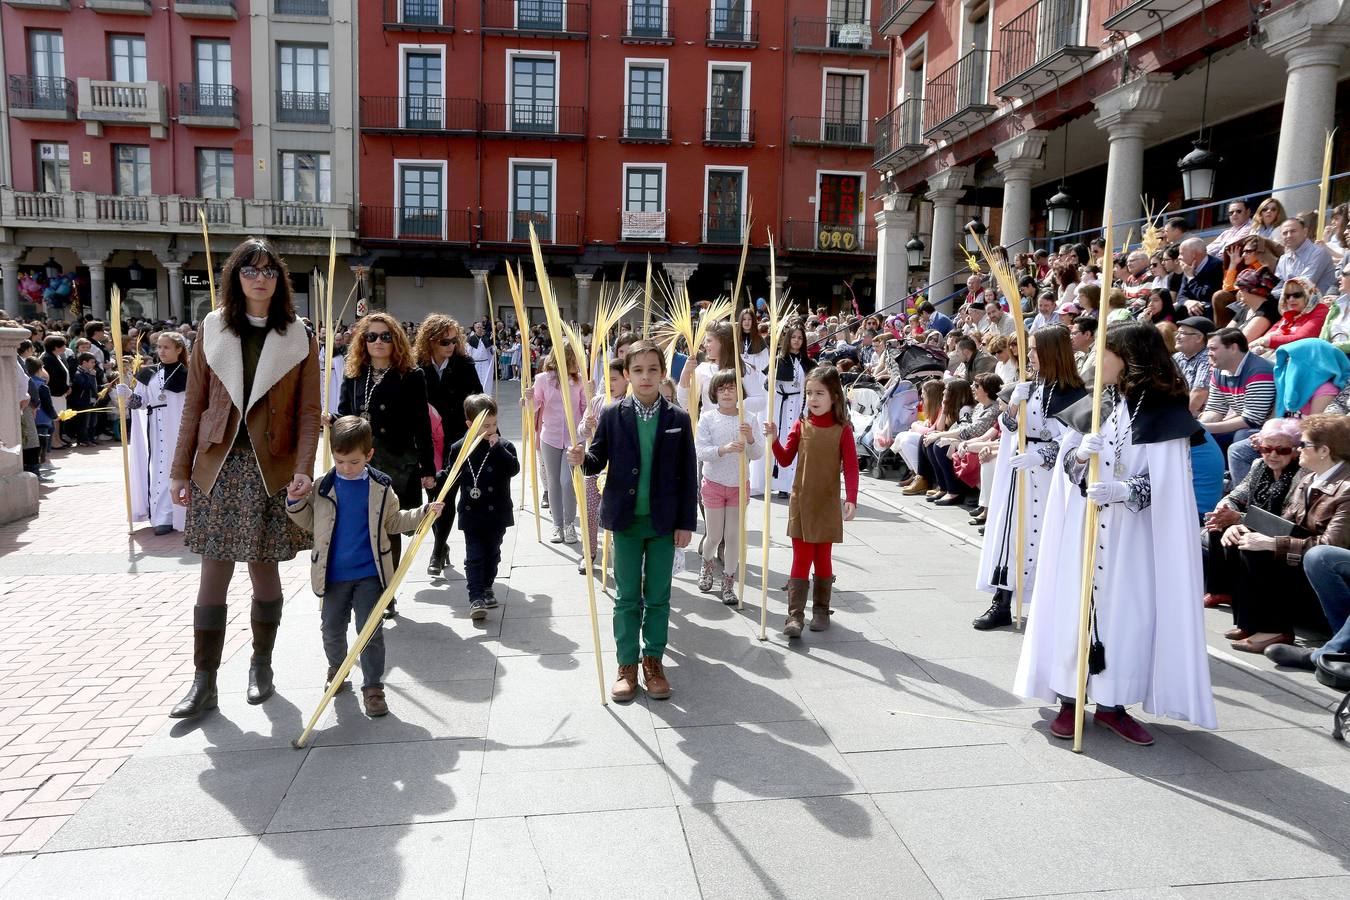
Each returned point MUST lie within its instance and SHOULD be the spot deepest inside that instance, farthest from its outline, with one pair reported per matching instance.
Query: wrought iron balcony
(302, 107)
(124, 103)
(644, 124)
(900, 133)
(648, 22)
(416, 223)
(208, 105)
(814, 131)
(1039, 45)
(316, 8)
(537, 18)
(419, 15)
(513, 227)
(728, 127)
(898, 15)
(723, 228)
(1136, 15)
(959, 96)
(859, 238)
(534, 120)
(41, 97)
(418, 112)
(206, 9)
(733, 27)
(835, 36)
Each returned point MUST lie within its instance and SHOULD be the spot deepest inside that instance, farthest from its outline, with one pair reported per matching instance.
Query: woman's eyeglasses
(1278, 451)
(255, 272)
(448, 342)
(386, 337)
(1294, 295)
(1306, 445)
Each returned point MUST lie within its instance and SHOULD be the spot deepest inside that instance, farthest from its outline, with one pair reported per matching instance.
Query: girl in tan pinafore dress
(822, 443)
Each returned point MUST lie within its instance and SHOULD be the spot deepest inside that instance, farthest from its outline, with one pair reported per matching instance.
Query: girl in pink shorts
(720, 440)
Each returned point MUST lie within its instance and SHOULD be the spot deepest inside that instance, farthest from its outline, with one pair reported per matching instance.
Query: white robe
(1148, 587)
(154, 437)
(1000, 532)
(790, 397)
(484, 358)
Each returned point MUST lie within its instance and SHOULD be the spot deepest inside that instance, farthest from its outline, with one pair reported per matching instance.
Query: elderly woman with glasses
(1302, 314)
(1271, 593)
(1336, 328)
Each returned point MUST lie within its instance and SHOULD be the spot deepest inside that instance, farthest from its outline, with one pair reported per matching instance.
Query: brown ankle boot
(654, 678)
(820, 603)
(796, 617)
(625, 686)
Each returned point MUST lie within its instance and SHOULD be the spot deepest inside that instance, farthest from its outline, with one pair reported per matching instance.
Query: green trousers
(642, 599)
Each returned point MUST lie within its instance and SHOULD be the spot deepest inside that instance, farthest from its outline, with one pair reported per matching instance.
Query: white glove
(122, 392)
(1091, 446)
(1104, 492)
(1020, 461)
(1021, 393)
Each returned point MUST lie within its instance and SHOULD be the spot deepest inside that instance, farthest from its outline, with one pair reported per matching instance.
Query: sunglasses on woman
(255, 272)
(1294, 295)
(1278, 451)
(448, 342)
(386, 337)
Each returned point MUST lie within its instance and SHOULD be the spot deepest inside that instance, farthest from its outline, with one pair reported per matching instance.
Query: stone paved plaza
(886, 757)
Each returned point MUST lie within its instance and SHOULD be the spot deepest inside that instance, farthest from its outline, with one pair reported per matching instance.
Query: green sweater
(646, 429)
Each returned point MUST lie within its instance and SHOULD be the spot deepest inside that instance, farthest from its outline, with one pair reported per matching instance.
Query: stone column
(1312, 48)
(895, 227)
(175, 270)
(944, 190)
(1018, 160)
(584, 295)
(480, 277)
(1125, 113)
(18, 489)
(97, 301)
(9, 269)
(679, 273)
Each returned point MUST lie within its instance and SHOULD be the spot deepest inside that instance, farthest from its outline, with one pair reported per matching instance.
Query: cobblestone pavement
(885, 757)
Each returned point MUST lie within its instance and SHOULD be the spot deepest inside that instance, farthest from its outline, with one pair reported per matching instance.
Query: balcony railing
(827, 132)
(1039, 45)
(206, 9)
(831, 237)
(208, 104)
(1135, 15)
(548, 18)
(835, 36)
(648, 22)
(513, 227)
(124, 103)
(534, 120)
(958, 96)
(723, 228)
(300, 7)
(416, 223)
(419, 112)
(171, 213)
(643, 123)
(41, 97)
(635, 225)
(733, 27)
(302, 107)
(898, 15)
(900, 132)
(732, 127)
(419, 15)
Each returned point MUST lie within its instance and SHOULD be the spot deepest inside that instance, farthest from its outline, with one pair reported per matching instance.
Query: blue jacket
(674, 487)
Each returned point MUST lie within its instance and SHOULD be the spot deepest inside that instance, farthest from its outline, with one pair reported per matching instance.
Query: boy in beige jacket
(350, 512)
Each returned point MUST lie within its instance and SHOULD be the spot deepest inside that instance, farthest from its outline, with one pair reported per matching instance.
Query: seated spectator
(1159, 307)
(1175, 231)
(1028, 292)
(1082, 337)
(1066, 282)
(1138, 279)
(930, 318)
(1334, 234)
(1166, 269)
(1239, 226)
(996, 321)
(1192, 358)
(1327, 569)
(909, 444)
(1203, 278)
(1090, 298)
(1067, 313)
(1269, 216)
(1168, 330)
(1302, 316)
(1303, 258)
(1259, 310)
(1266, 486)
(1241, 392)
(975, 409)
(1252, 252)
(1336, 328)
(1271, 593)
(1117, 308)
(1003, 348)
(970, 360)
(1046, 312)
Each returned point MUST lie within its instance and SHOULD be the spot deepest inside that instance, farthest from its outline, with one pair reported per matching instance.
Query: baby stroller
(914, 364)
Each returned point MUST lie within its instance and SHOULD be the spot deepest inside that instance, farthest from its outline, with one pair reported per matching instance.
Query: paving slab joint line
(1271, 678)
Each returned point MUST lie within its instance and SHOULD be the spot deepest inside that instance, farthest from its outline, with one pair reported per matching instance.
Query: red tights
(806, 555)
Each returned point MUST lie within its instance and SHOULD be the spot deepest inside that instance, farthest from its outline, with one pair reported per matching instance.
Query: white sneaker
(557, 536)
(570, 535)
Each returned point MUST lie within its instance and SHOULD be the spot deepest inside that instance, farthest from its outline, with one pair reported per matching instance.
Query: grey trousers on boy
(340, 600)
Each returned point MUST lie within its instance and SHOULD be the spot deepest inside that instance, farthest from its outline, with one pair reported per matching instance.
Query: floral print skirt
(239, 520)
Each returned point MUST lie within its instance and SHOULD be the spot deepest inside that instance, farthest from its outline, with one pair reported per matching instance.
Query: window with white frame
(644, 203)
(53, 166)
(728, 112)
(647, 18)
(726, 192)
(306, 177)
(126, 58)
(131, 170)
(420, 189)
(730, 20)
(531, 200)
(215, 173)
(844, 97)
(534, 94)
(303, 78)
(646, 101)
(422, 79)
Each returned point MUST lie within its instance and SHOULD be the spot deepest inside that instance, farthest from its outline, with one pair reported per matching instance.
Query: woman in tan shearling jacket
(250, 428)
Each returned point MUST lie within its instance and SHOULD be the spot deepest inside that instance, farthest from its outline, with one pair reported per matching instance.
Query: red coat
(1292, 327)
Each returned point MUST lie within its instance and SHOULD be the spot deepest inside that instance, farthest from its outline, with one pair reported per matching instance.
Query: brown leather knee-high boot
(820, 603)
(208, 641)
(266, 619)
(796, 617)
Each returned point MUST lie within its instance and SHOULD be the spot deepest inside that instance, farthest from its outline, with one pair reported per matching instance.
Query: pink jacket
(548, 409)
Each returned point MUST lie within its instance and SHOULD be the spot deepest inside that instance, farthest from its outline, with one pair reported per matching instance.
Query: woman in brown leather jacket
(249, 431)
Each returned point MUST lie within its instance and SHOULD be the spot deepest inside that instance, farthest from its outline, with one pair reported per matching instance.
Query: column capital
(10, 255)
(900, 220)
(1315, 32)
(947, 180)
(1125, 111)
(1023, 150)
(93, 262)
(583, 277)
(680, 272)
(173, 259)
(480, 275)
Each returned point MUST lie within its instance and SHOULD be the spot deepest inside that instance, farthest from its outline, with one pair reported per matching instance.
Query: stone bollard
(18, 489)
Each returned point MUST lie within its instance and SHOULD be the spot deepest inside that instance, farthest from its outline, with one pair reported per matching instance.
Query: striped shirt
(1249, 392)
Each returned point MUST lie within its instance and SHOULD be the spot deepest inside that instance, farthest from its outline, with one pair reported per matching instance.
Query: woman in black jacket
(382, 385)
(450, 378)
(58, 381)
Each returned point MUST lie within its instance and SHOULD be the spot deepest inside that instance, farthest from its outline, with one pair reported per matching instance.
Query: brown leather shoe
(820, 603)
(654, 678)
(1213, 600)
(1235, 634)
(373, 698)
(796, 617)
(625, 686)
(919, 485)
(328, 679)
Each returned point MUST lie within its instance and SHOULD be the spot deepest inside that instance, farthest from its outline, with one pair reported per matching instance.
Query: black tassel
(1097, 658)
(1000, 574)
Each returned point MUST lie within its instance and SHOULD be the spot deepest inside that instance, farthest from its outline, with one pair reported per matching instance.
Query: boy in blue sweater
(349, 511)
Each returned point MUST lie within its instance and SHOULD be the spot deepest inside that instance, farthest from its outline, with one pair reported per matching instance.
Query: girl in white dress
(789, 383)
(156, 403)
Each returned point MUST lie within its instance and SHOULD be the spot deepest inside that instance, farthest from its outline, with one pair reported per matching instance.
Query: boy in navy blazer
(650, 505)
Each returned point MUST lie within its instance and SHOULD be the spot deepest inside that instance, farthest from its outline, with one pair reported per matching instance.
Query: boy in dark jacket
(484, 502)
(649, 503)
(83, 391)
